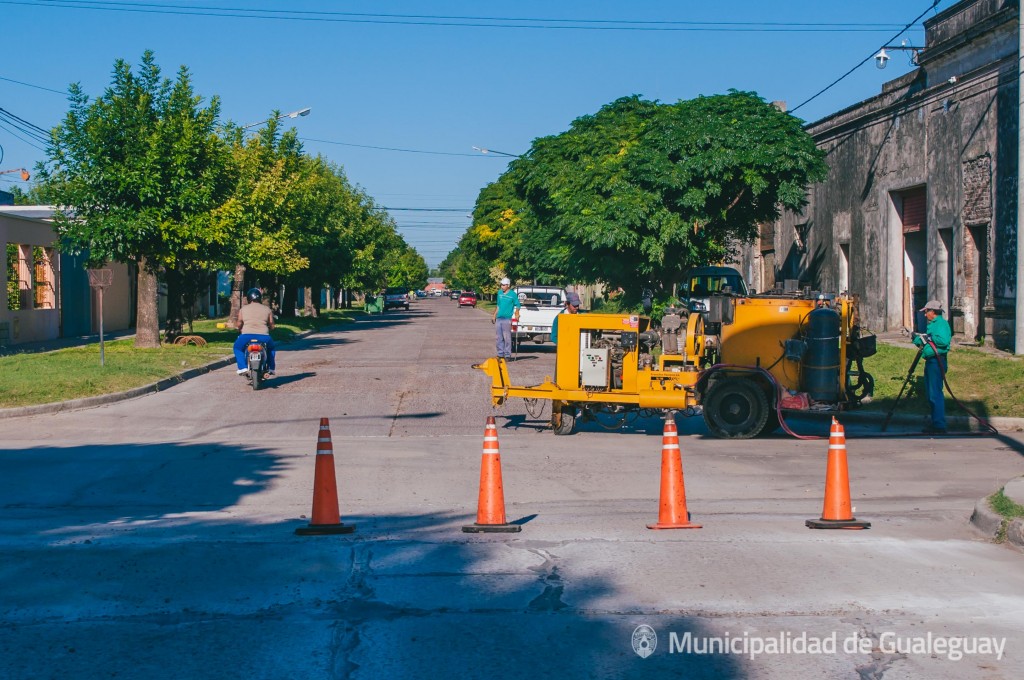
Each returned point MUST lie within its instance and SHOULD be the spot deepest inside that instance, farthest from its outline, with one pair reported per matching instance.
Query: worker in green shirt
(507, 308)
(935, 343)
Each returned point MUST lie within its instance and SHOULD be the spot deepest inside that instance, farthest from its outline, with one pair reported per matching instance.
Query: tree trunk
(289, 300)
(236, 295)
(147, 327)
(309, 308)
(175, 309)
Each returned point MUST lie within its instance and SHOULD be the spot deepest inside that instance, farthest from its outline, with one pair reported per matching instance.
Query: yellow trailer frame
(751, 342)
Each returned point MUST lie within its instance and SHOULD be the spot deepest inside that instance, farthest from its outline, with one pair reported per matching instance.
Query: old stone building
(920, 201)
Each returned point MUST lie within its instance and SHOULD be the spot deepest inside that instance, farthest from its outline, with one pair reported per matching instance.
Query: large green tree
(640, 191)
(136, 174)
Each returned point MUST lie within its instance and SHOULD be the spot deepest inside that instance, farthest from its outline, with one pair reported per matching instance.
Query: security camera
(882, 58)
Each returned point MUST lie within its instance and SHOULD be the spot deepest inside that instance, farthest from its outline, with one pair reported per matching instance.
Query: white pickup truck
(540, 306)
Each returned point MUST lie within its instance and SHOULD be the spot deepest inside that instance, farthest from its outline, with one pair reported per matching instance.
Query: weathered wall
(951, 127)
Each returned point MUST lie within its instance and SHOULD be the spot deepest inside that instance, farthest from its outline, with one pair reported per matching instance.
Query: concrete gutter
(995, 526)
(101, 399)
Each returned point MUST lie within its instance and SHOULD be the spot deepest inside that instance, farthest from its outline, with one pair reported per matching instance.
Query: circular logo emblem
(645, 641)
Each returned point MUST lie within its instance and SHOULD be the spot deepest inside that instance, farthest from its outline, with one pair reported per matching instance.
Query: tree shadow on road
(147, 561)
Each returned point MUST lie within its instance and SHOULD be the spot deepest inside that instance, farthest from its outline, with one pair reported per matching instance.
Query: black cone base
(325, 529)
(492, 528)
(837, 524)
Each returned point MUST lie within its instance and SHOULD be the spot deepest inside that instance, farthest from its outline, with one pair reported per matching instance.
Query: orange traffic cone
(837, 512)
(672, 513)
(326, 518)
(490, 514)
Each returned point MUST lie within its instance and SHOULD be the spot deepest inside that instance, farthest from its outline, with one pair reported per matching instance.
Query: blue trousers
(503, 336)
(934, 369)
(242, 342)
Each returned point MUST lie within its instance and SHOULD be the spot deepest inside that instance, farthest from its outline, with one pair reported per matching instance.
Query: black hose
(984, 423)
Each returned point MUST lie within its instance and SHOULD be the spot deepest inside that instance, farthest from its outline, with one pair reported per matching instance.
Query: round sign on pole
(100, 278)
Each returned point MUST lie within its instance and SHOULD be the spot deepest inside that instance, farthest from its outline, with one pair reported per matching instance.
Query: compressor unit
(741, 363)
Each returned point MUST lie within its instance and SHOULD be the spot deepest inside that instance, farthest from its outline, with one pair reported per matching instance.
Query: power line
(458, 210)
(866, 59)
(21, 122)
(38, 87)
(455, 21)
(390, 148)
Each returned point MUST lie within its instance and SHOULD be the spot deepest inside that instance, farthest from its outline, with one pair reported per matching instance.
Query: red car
(467, 297)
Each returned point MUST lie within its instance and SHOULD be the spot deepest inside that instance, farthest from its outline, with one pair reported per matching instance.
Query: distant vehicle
(467, 297)
(699, 284)
(439, 292)
(455, 294)
(421, 293)
(395, 298)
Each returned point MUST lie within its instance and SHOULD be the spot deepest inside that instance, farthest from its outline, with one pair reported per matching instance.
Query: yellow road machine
(742, 362)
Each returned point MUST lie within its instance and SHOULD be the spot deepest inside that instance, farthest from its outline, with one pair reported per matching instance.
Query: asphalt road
(154, 538)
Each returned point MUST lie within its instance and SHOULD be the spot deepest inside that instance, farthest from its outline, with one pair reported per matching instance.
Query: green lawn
(988, 385)
(42, 378)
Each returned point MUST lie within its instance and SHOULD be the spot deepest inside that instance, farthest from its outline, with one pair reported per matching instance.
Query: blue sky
(441, 88)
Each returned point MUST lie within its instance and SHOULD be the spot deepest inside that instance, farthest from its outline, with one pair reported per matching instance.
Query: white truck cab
(540, 306)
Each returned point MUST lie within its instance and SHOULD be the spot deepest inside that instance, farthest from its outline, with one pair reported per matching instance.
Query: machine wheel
(563, 421)
(735, 408)
(256, 378)
(771, 423)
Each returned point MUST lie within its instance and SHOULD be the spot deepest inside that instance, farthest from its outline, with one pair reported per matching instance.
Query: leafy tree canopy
(136, 172)
(640, 191)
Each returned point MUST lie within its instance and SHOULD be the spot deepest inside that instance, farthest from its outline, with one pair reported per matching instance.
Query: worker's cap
(933, 305)
(506, 282)
(573, 299)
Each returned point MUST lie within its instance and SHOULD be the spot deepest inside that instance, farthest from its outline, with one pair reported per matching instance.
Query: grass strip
(1004, 506)
(47, 377)
(987, 384)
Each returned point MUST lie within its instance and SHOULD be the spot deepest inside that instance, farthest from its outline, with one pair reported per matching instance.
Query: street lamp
(492, 151)
(293, 114)
(882, 58)
(23, 171)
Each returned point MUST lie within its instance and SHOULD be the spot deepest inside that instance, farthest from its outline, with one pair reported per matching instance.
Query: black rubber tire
(771, 424)
(735, 408)
(257, 379)
(566, 422)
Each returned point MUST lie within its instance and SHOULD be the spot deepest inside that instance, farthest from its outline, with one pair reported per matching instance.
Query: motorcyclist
(255, 321)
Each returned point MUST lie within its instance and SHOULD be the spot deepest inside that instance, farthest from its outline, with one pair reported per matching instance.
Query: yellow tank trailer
(741, 362)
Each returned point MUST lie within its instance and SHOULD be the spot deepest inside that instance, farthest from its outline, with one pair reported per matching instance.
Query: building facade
(46, 293)
(920, 202)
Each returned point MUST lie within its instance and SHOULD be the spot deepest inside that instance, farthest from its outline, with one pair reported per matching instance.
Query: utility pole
(1019, 320)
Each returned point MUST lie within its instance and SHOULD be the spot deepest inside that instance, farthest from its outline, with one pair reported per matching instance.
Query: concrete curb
(102, 399)
(956, 423)
(995, 526)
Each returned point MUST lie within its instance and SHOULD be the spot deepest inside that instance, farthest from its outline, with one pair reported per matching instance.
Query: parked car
(421, 293)
(395, 298)
(439, 292)
(701, 282)
(467, 297)
(540, 306)
(455, 295)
